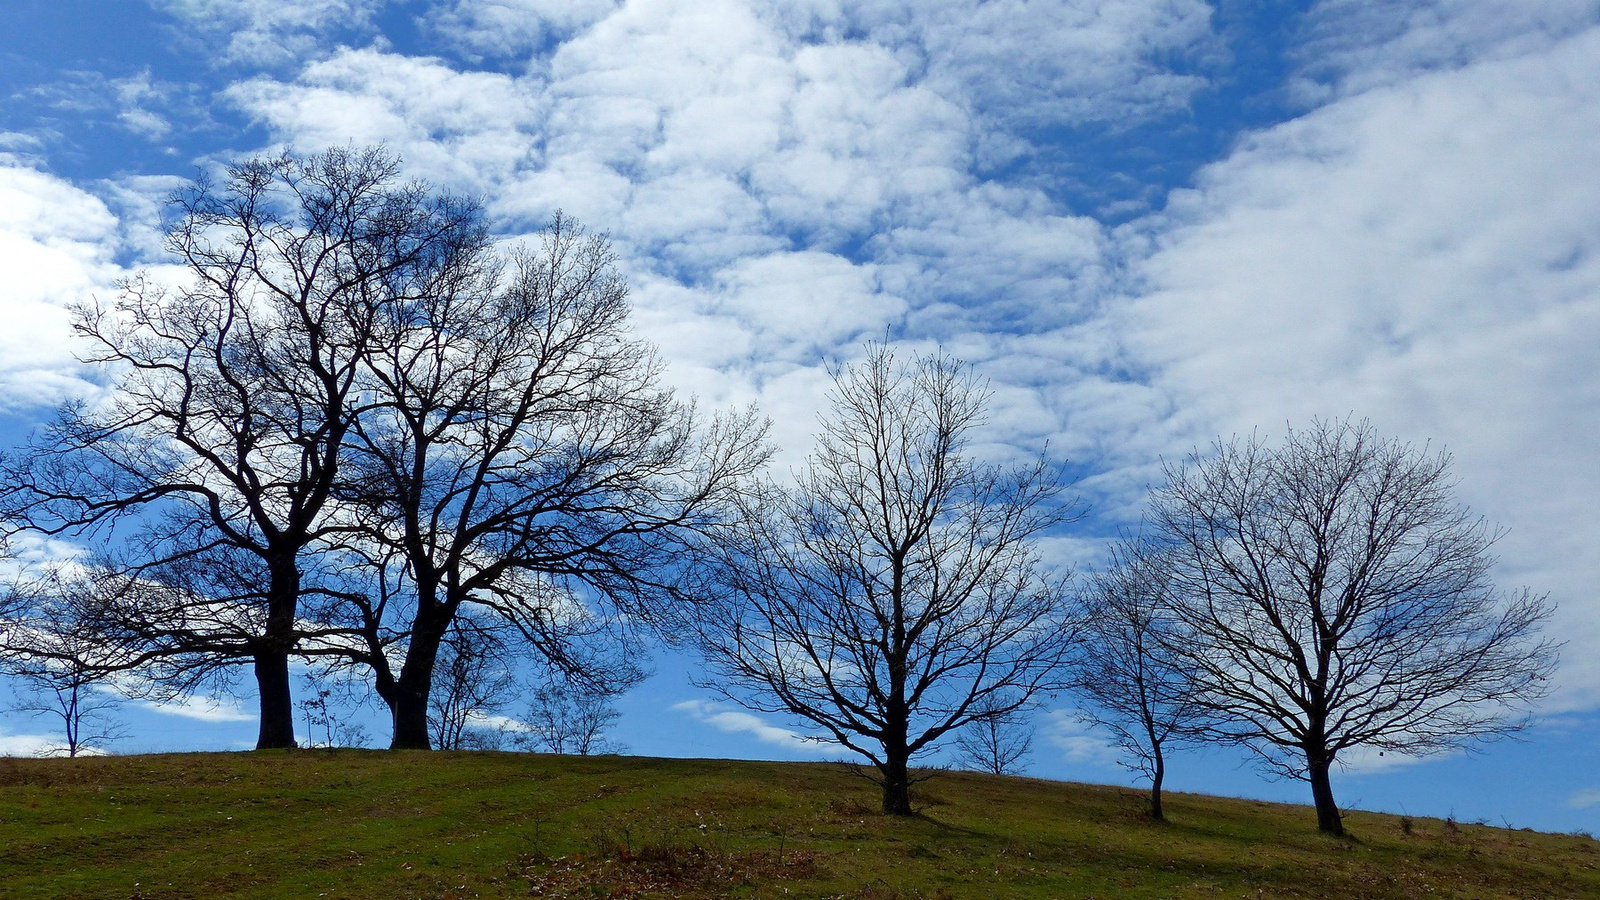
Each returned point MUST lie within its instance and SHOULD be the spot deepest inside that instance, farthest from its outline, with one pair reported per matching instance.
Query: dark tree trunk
(896, 787)
(1328, 819)
(1157, 775)
(410, 715)
(410, 705)
(277, 707)
(896, 772)
(272, 658)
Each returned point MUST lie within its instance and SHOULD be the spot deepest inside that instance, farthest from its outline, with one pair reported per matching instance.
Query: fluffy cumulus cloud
(1033, 63)
(57, 247)
(782, 183)
(466, 131)
(29, 745)
(786, 180)
(1425, 253)
(1078, 743)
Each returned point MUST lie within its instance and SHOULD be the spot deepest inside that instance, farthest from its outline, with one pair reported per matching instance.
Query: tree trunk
(1158, 774)
(410, 705)
(410, 715)
(896, 787)
(277, 707)
(1328, 819)
(272, 657)
(896, 770)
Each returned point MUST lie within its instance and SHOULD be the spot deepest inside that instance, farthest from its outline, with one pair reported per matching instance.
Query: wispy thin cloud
(1077, 741)
(200, 709)
(1585, 799)
(734, 721)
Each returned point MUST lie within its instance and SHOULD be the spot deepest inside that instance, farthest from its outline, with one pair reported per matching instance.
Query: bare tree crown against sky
(63, 672)
(233, 396)
(1330, 594)
(521, 460)
(894, 594)
(1125, 665)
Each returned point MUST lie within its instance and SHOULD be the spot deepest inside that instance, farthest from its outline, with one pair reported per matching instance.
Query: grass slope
(391, 825)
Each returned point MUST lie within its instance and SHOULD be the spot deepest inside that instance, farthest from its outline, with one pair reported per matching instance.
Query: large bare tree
(232, 398)
(521, 460)
(1331, 594)
(894, 594)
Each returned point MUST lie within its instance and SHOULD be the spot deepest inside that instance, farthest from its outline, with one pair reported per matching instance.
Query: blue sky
(1149, 222)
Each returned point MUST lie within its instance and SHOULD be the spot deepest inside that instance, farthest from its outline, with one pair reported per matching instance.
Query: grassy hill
(459, 825)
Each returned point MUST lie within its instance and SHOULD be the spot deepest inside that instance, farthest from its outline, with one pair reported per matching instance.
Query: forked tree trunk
(412, 689)
(1328, 819)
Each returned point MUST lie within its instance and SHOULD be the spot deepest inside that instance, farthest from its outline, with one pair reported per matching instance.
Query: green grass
(392, 825)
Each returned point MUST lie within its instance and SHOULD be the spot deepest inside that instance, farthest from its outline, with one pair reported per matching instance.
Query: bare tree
(996, 744)
(1137, 686)
(567, 717)
(232, 400)
(894, 595)
(58, 669)
(521, 460)
(326, 703)
(471, 682)
(1332, 594)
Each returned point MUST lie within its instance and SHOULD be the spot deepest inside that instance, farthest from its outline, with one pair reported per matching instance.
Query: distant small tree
(324, 703)
(997, 745)
(1137, 686)
(1330, 593)
(59, 670)
(471, 681)
(567, 717)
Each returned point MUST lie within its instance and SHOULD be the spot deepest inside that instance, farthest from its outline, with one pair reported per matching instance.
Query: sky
(1149, 223)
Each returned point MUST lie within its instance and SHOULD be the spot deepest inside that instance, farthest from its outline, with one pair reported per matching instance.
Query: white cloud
(56, 247)
(200, 709)
(778, 191)
(1077, 741)
(271, 32)
(1028, 63)
(1371, 761)
(809, 299)
(1355, 45)
(465, 131)
(39, 745)
(1426, 254)
(734, 721)
(135, 95)
(27, 744)
(513, 28)
(1584, 799)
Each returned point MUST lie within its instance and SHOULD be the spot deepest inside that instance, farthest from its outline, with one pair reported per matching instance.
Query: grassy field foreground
(459, 825)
